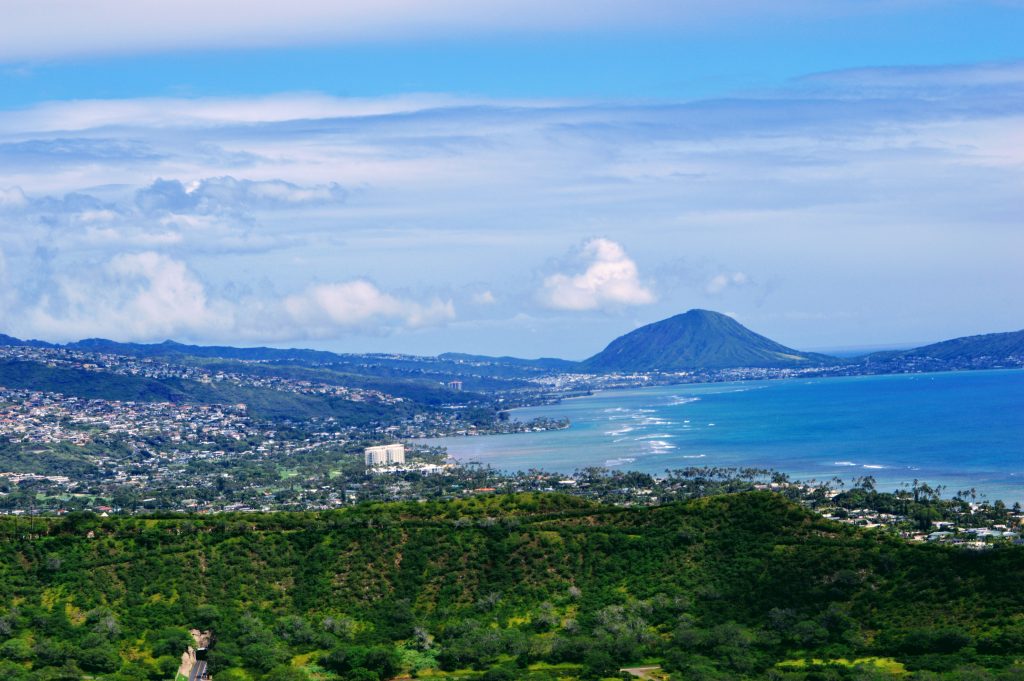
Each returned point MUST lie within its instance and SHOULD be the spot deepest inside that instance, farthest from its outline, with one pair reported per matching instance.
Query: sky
(525, 178)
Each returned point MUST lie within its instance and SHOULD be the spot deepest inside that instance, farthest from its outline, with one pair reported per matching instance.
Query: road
(198, 670)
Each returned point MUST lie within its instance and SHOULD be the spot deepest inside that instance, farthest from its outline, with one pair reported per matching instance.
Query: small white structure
(384, 455)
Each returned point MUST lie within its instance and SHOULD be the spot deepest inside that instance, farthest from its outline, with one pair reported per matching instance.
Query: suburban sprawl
(215, 434)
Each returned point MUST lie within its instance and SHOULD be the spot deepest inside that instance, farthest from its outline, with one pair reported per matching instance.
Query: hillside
(745, 586)
(262, 403)
(170, 348)
(989, 346)
(698, 339)
(477, 372)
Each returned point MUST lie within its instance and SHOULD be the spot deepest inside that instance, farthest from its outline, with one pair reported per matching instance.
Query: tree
(598, 663)
(361, 674)
(99, 657)
(284, 673)
(263, 656)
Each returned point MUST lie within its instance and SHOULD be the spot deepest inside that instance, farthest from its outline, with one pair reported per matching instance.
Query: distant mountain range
(694, 340)
(552, 363)
(170, 347)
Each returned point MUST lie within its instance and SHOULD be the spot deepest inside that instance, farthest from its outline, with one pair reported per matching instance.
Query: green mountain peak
(697, 339)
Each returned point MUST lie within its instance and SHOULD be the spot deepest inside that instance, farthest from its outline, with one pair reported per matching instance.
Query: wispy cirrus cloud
(183, 113)
(214, 213)
(75, 150)
(217, 194)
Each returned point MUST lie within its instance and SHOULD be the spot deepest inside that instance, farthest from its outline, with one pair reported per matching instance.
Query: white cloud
(149, 296)
(12, 198)
(219, 194)
(823, 187)
(718, 283)
(484, 298)
(136, 296)
(610, 279)
(7, 293)
(209, 112)
(213, 214)
(359, 304)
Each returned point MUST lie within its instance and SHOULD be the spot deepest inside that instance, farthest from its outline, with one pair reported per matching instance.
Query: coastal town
(211, 435)
(334, 469)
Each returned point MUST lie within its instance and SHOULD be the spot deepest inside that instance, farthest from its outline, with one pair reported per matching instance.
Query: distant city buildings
(384, 455)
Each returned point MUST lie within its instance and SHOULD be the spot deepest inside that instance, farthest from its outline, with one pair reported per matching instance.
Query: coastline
(892, 427)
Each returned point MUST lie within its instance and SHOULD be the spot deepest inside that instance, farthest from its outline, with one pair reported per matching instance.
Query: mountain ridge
(1002, 344)
(667, 345)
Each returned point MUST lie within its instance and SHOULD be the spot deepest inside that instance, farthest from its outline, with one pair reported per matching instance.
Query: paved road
(198, 670)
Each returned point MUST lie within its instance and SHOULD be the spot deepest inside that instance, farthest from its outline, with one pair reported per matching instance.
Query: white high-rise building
(384, 455)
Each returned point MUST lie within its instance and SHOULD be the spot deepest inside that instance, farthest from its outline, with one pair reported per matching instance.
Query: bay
(960, 429)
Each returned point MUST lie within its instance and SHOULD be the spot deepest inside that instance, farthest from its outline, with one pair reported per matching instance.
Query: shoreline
(892, 466)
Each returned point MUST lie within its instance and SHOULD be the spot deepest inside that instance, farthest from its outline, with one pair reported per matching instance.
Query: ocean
(959, 429)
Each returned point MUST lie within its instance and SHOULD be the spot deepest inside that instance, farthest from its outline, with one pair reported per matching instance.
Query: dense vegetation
(501, 587)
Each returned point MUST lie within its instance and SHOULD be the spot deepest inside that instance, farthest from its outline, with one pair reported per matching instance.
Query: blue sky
(510, 178)
(641, 62)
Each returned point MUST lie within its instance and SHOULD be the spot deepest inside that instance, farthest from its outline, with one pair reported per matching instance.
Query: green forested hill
(503, 587)
(996, 346)
(698, 339)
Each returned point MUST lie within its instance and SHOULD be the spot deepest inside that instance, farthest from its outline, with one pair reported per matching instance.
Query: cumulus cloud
(611, 279)
(720, 282)
(137, 296)
(149, 296)
(359, 303)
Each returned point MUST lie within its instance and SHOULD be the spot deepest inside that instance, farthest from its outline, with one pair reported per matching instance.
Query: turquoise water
(962, 430)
